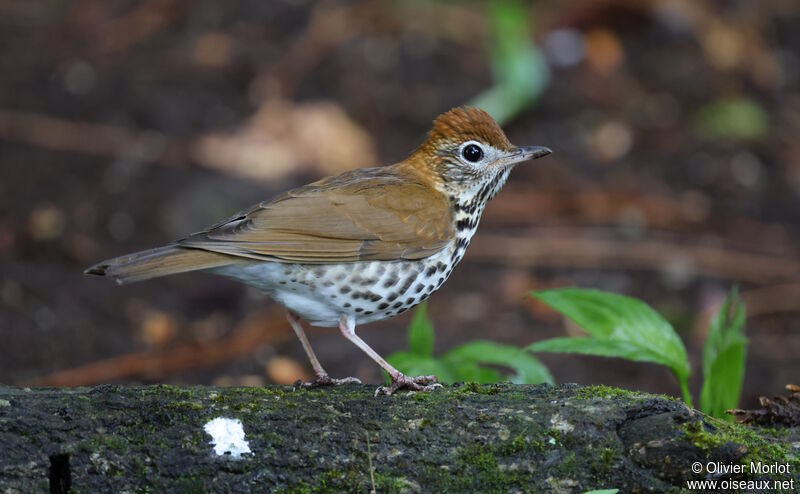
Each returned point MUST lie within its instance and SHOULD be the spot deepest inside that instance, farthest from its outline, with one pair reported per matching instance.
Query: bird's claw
(419, 383)
(326, 380)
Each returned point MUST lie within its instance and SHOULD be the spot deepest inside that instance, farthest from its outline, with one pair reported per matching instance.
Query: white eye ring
(471, 152)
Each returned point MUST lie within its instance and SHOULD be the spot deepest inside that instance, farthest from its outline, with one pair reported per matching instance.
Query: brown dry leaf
(611, 141)
(775, 411)
(283, 370)
(604, 51)
(157, 328)
(283, 137)
(212, 49)
(46, 223)
(723, 45)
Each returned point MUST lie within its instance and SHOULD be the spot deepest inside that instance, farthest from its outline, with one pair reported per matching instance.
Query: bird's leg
(322, 378)
(347, 325)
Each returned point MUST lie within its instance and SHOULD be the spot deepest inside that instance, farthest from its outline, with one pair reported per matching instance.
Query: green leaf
(618, 326)
(724, 358)
(594, 346)
(528, 369)
(737, 118)
(520, 70)
(420, 333)
(466, 362)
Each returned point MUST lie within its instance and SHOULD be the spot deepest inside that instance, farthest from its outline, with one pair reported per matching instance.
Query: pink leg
(347, 325)
(322, 378)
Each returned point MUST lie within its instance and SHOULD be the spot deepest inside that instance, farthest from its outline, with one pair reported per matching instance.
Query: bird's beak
(525, 153)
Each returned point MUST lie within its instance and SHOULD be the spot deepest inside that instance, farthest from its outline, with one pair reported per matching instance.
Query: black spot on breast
(319, 272)
(440, 266)
(356, 295)
(355, 279)
(463, 224)
(359, 309)
(367, 282)
(345, 289)
(391, 297)
(383, 306)
(425, 297)
(390, 282)
(403, 310)
(328, 284)
(431, 271)
(431, 288)
(293, 280)
(282, 282)
(367, 313)
(441, 280)
(410, 300)
(409, 281)
(419, 287)
(397, 305)
(340, 276)
(372, 296)
(381, 269)
(347, 305)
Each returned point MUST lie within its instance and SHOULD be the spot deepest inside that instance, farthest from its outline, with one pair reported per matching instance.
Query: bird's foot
(420, 383)
(326, 380)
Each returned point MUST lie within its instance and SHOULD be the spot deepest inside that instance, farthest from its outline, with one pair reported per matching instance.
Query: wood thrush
(357, 247)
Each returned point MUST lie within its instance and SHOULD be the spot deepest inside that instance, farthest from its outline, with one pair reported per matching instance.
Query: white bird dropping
(227, 436)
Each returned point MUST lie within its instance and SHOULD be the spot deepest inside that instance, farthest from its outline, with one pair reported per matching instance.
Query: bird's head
(467, 154)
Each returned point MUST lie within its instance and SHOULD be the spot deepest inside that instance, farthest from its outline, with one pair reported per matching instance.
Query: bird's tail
(161, 261)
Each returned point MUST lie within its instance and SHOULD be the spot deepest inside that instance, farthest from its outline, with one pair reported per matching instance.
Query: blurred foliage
(468, 362)
(618, 326)
(520, 70)
(740, 118)
(724, 357)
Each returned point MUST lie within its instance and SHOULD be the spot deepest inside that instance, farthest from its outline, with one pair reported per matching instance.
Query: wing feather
(373, 214)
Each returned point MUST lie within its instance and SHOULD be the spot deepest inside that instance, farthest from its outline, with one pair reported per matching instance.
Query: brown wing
(372, 214)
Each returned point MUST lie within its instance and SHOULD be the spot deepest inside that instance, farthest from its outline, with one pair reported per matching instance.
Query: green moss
(710, 433)
(517, 445)
(330, 481)
(388, 484)
(470, 387)
(603, 392)
(190, 485)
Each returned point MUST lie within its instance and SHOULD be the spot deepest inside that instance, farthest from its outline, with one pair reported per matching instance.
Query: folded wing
(374, 214)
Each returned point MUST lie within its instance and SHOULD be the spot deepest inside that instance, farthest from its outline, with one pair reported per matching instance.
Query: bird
(357, 247)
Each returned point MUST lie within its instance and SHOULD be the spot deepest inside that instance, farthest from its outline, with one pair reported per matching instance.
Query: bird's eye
(472, 153)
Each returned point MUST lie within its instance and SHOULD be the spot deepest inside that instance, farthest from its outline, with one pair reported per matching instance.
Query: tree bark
(463, 438)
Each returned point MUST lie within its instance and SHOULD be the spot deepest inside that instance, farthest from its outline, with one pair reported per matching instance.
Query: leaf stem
(684, 384)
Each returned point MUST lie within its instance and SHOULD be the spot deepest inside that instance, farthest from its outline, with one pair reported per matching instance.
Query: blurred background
(126, 124)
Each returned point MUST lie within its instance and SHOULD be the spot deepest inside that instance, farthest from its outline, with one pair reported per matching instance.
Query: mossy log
(463, 438)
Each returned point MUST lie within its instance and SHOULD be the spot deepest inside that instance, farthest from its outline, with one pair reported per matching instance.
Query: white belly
(368, 291)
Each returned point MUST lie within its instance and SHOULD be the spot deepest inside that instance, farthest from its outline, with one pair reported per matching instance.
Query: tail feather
(161, 261)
